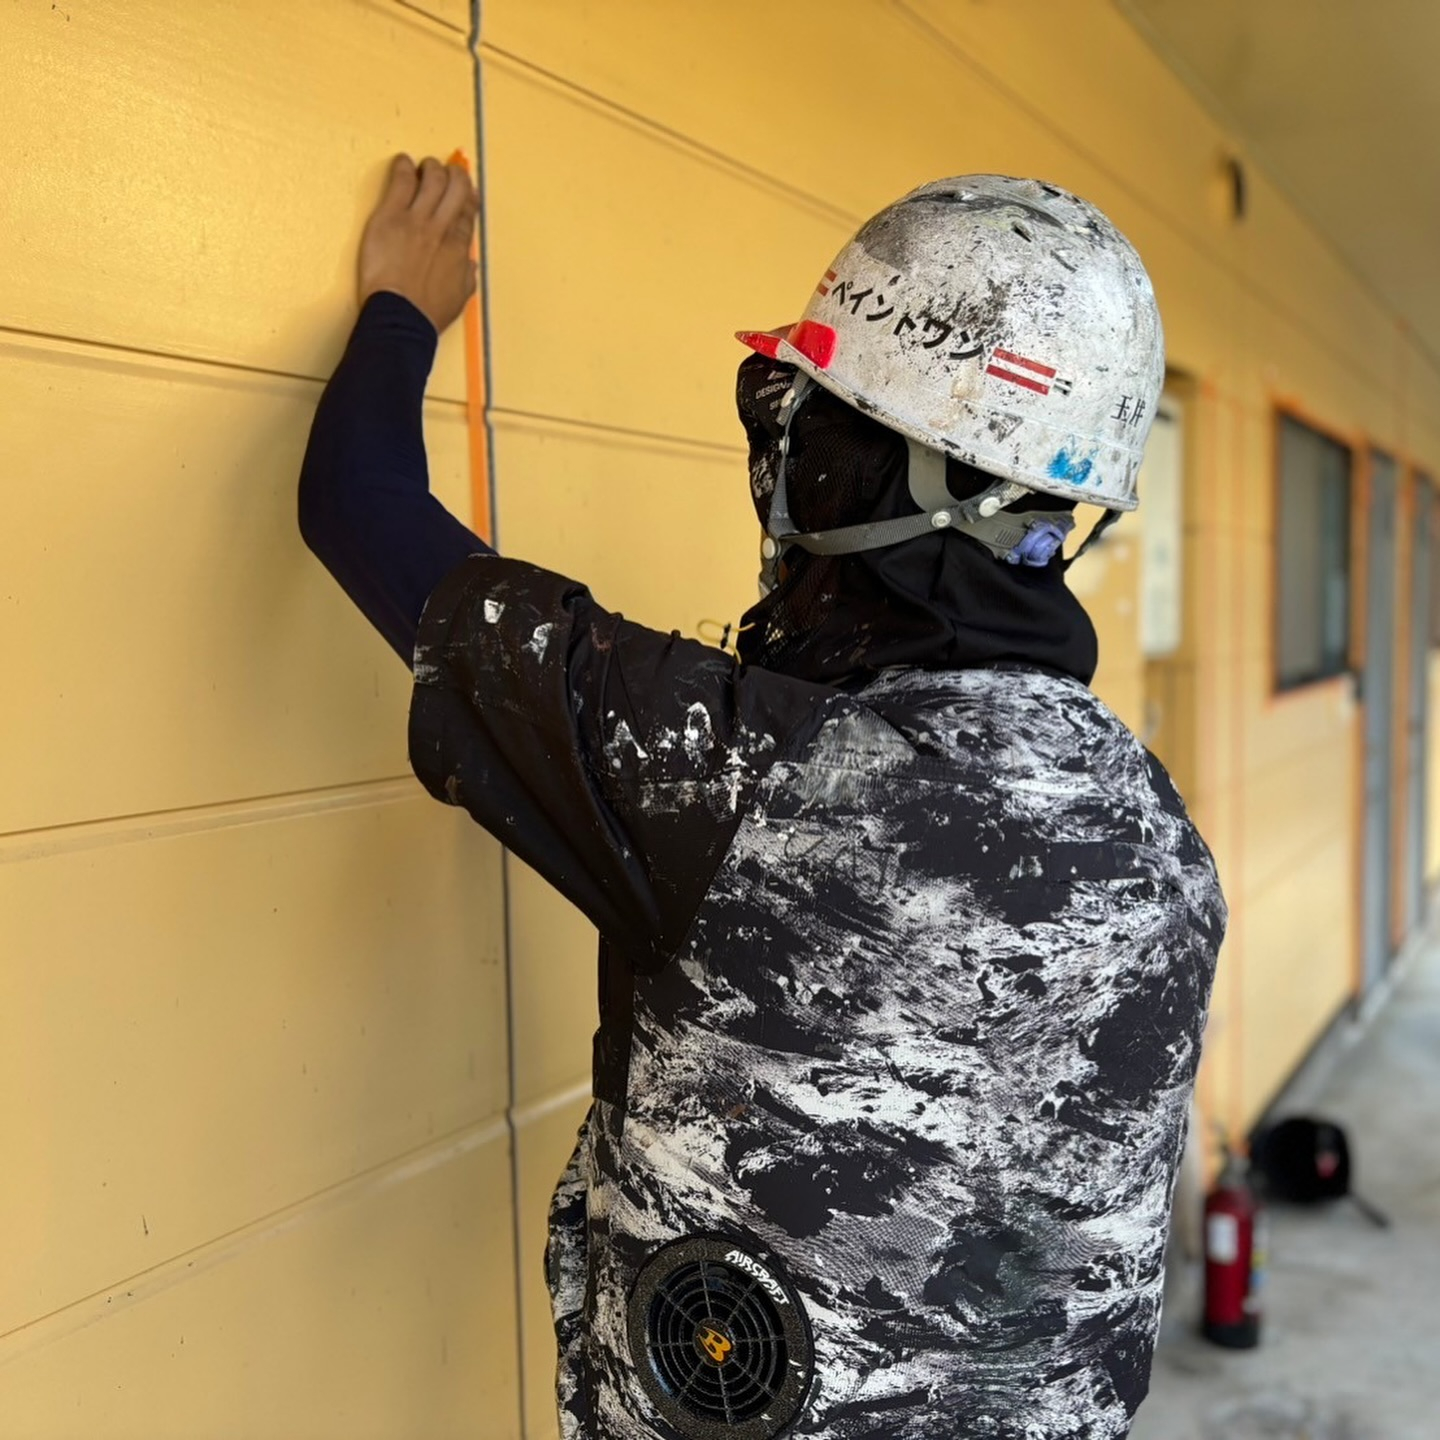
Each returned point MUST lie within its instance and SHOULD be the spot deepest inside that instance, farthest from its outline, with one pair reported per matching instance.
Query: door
(1379, 692)
(1418, 706)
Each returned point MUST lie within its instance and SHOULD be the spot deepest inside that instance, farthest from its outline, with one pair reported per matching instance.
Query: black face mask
(940, 601)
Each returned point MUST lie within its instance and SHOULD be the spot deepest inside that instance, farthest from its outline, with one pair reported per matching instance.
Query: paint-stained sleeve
(616, 760)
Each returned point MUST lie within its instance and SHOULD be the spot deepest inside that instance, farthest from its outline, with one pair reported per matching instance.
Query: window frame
(1355, 476)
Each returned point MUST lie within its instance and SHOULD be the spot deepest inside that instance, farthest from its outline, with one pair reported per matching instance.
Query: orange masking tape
(475, 397)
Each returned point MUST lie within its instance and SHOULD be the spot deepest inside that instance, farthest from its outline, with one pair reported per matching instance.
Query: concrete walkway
(1351, 1346)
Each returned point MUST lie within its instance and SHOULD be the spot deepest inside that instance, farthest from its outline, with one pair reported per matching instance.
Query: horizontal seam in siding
(44, 841)
(521, 420)
(460, 30)
(101, 1304)
(140, 358)
(656, 130)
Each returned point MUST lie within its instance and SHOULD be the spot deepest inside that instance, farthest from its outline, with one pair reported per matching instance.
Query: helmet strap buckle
(1030, 540)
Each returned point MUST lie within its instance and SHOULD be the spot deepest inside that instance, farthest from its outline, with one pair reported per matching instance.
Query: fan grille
(722, 1349)
(716, 1342)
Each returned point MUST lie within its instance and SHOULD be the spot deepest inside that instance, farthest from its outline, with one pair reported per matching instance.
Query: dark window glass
(1312, 555)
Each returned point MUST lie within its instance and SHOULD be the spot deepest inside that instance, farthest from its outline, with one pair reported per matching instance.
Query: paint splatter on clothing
(902, 989)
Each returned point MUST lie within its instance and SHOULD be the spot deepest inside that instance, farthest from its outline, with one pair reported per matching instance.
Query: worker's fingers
(434, 177)
(462, 229)
(459, 197)
(400, 184)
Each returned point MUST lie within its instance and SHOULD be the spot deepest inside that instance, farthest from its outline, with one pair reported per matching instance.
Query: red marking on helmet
(824, 286)
(1010, 358)
(816, 342)
(760, 341)
(1027, 381)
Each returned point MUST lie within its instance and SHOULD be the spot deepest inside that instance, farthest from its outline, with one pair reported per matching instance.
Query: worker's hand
(417, 240)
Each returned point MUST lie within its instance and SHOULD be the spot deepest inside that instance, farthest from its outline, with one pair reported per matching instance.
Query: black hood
(940, 602)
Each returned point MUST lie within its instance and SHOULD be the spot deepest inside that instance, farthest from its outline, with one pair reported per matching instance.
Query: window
(1312, 556)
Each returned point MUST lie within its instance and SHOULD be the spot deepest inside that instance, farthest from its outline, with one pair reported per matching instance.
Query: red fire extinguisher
(1234, 1258)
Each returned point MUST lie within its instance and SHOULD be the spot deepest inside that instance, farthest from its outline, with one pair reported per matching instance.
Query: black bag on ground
(1305, 1160)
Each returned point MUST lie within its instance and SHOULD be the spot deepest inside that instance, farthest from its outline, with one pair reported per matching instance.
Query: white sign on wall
(1162, 526)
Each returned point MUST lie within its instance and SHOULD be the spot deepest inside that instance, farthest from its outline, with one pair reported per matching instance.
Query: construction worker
(906, 942)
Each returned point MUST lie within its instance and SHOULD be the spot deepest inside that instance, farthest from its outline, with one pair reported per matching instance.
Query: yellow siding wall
(262, 1068)
(253, 1038)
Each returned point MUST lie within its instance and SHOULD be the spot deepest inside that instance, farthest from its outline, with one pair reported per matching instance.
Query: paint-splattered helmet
(1003, 322)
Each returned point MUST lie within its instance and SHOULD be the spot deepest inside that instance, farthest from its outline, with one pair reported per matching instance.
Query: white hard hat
(1003, 322)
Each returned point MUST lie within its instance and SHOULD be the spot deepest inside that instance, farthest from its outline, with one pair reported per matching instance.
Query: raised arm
(365, 505)
(616, 760)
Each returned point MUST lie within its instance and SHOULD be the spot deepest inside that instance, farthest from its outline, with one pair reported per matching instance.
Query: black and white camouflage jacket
(901, 998)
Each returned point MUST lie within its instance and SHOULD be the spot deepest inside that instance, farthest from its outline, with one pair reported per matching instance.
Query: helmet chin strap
(1030, 539)
(1097, 531)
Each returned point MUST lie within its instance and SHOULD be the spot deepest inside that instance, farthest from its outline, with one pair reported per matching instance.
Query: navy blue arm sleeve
(366, 510)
